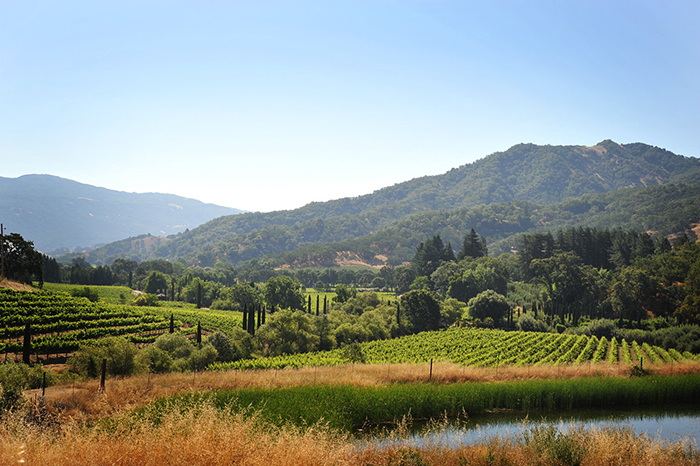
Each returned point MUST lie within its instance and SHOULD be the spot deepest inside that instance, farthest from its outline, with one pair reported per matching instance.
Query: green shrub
(146, 300)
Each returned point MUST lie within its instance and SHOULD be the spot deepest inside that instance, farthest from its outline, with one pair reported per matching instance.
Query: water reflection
(667, 423)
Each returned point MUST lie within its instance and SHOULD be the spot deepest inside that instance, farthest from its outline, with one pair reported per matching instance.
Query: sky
(270, 105)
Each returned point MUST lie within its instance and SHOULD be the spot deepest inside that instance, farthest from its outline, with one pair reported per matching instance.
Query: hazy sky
(265, 105)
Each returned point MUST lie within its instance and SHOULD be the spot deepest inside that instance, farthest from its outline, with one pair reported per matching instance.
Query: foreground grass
(79, 401)
(208, 436)
(348, 407)
(125, 424)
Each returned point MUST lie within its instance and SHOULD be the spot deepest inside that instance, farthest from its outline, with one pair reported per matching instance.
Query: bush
(528, 323)
(17, 377)
(146, 300)
(201, 358)
(222, 343)
(489, 304)
(119, 353)
(86, 292)
(601, 328)
(155, 359)
(175, 344)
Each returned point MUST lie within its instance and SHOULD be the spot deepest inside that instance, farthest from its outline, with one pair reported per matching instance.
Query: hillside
(541, 175)
(58, 213)
(668, 210)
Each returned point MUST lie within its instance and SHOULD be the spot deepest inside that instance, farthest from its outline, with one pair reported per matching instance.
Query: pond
(666, 423)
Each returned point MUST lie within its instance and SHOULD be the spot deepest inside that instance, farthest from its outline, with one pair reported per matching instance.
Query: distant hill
(525, 173)
(58, 213)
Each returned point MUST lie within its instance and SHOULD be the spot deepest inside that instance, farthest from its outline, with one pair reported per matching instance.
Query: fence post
(104, 374)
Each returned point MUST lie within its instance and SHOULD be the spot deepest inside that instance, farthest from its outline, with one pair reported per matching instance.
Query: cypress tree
(324, 303)
(27, 347)
(251, 321)
(262, 308)
(308, 305)
(172, 323)
(199, 335)
(245, 317)
(398, 315)
(318, 297)
(259, 316)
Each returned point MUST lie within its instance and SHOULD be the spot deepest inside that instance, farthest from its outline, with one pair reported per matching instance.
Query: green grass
(211, 320)
(107, 294)
(350, 407)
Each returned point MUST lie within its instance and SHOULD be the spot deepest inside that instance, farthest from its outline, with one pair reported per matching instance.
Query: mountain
(58, 213)
(525, 173)
(668, 210)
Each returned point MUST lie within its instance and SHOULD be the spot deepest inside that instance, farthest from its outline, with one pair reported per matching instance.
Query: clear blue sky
(266, 105)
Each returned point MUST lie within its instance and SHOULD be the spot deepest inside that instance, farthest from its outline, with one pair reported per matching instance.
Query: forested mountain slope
(538, 174)
(57, 213)
(667, 210)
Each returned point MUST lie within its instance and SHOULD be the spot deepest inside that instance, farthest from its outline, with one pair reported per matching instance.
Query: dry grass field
(97, 428)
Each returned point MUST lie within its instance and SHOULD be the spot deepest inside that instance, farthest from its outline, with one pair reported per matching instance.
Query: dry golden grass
(82, 401)
(13, 285)
(211, 437)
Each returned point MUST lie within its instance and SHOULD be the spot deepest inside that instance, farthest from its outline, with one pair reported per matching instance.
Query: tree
(420, 310)
(21, 262)
(378, 282)
(570, 284)
(157, 282)
(124, 270)
(633, 293)
(404, 276)
(288, 332)
(489, 304)
(430, 254)
(283, 292)
(475, 276)
(473, 246)
(222, 343)
(343, 293)
(537, 246)
(52, 271)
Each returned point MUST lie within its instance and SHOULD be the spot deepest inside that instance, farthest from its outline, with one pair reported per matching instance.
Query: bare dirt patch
(17, 286)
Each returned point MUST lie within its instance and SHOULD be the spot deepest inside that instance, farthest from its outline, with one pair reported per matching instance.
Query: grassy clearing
(107, 294)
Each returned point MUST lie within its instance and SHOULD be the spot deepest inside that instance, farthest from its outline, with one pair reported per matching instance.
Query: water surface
(669, 424)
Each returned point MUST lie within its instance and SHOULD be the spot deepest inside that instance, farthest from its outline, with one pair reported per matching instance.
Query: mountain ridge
(538, 174)
(56, 212)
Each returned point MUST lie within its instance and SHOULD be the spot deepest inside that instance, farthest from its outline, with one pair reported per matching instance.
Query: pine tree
(473, 246)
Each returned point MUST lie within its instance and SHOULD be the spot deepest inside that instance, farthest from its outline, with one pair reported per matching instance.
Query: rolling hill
(526, 177)
(58, 213)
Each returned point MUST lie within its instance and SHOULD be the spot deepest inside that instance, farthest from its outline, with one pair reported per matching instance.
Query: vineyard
(59, 323)
(477, 347)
